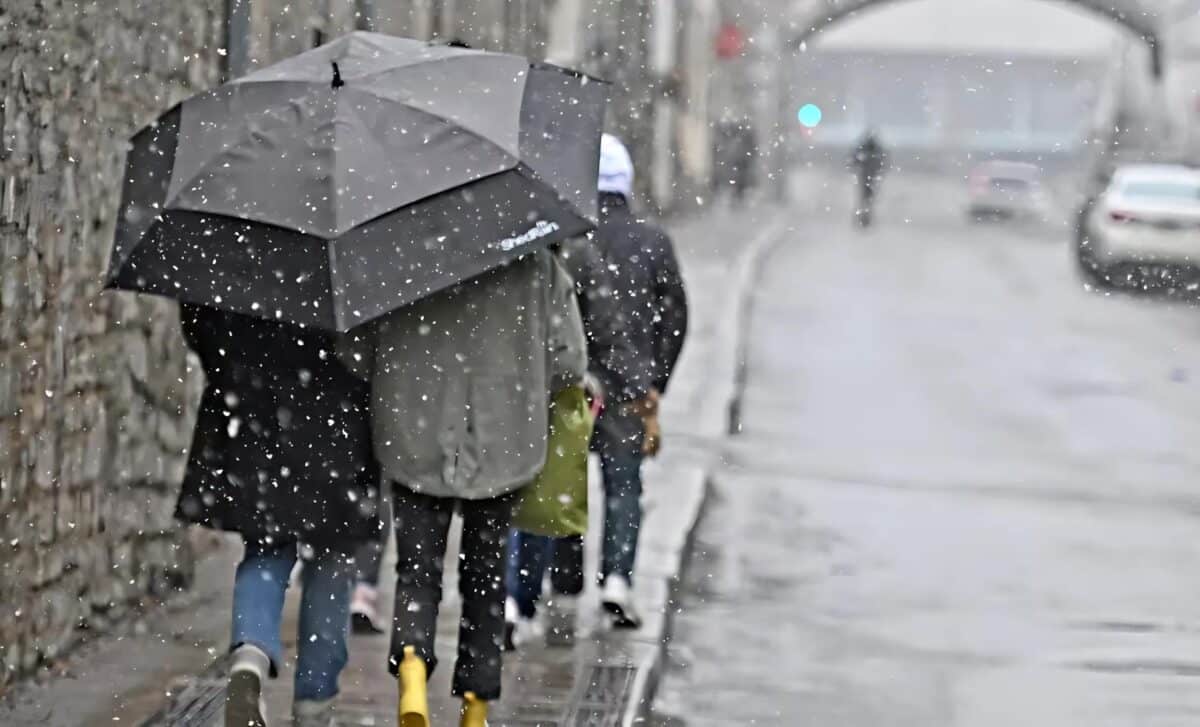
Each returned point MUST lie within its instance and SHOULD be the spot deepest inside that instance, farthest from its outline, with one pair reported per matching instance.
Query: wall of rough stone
(95, 396)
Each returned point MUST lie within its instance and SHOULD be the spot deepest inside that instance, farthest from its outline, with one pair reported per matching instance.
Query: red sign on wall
(731, 42)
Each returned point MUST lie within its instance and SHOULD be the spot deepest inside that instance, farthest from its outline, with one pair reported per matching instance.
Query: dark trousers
(422, 527)
(368, 558)
(527, 557)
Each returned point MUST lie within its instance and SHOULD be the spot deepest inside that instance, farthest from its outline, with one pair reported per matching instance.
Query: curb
(715, 421)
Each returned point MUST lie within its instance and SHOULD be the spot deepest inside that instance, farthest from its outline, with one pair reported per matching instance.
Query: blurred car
(1149, 213)
(1005, 189)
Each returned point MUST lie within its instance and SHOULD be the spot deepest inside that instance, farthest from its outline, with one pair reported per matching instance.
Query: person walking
(282, 455)
(653, 301)
(368, 564)
(617, 375)
(461, 385)
(868, 161)
(746, 147)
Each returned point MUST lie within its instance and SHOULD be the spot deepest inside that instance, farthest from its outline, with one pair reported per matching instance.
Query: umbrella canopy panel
(560, 132)
(351, 153)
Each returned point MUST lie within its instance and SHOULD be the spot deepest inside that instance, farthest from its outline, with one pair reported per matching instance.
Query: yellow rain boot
(414, 699)
(474, 711)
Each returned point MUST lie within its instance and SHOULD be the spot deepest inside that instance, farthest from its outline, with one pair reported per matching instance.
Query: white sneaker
(560, 620)
(517, 628)
(313, 713)
(617, 599)
(364, 618)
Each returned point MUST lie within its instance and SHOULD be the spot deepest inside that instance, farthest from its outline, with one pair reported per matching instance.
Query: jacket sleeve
(566, 344)
(672, 320)
(612, 356)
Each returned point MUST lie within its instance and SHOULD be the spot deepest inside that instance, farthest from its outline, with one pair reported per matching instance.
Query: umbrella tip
(337, 76)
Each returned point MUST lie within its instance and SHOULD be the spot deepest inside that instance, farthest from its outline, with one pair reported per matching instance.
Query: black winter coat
(282, 447)
(612, 357)
(648, 288)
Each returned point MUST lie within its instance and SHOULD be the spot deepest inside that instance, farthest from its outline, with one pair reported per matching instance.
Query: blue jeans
(527, 558)
(258, 592)
(622, 468)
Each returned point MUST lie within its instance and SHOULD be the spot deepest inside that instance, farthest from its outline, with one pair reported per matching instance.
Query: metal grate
(198, 702)
(602, 696)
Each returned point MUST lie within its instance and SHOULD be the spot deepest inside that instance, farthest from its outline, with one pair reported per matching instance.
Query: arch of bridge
(1141, 17)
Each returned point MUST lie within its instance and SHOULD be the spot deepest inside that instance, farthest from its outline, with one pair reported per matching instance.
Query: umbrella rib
(431, 61)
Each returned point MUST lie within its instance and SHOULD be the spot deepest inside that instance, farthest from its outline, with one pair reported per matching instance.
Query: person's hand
(595, 394)
(646, 406)
(652, 440)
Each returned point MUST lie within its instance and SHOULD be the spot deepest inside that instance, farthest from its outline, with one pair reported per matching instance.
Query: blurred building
(945, 77)
(1181, 78)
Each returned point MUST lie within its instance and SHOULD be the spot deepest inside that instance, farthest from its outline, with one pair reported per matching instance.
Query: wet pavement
(965, 493)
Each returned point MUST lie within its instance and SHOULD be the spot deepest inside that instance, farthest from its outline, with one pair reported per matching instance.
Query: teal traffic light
(809, 115)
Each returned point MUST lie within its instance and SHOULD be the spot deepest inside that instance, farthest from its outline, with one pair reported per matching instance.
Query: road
(965, 493)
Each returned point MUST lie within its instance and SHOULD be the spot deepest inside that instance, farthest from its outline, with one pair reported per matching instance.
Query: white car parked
(1149, 213)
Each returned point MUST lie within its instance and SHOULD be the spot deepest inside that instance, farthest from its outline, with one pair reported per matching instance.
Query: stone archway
(1141, 17)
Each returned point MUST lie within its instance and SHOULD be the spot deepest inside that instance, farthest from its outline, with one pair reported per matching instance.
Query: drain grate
(198, 702)
(607, 685)
(602, 696)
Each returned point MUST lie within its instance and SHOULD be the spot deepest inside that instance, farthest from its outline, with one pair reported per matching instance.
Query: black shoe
(510, 633)
(243, 701)
(361, 623)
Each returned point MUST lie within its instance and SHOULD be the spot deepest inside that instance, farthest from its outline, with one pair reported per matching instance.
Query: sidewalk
(607, 679)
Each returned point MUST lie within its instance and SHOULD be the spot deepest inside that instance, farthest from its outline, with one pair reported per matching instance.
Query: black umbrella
(355, 178)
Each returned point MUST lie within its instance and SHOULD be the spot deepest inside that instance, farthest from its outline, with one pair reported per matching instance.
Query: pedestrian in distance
(617, 375)
(282, 455)
(735, 152)
(461, 385)
(868, 161)
(650, 290)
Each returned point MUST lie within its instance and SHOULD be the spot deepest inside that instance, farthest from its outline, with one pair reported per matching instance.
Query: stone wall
(95, 394)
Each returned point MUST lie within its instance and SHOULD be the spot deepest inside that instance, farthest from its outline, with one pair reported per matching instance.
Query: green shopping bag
(555, 503)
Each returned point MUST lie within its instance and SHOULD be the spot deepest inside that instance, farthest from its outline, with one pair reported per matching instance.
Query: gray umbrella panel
(559, 140)
(353, 153)
(349, 157)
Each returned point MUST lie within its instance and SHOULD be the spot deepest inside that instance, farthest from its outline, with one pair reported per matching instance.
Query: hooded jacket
(623, 373)
(648, 288)
(461, 380)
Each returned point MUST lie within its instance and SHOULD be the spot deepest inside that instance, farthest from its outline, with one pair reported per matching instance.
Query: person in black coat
(868, 160)
(282, 455)
(650, 289)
